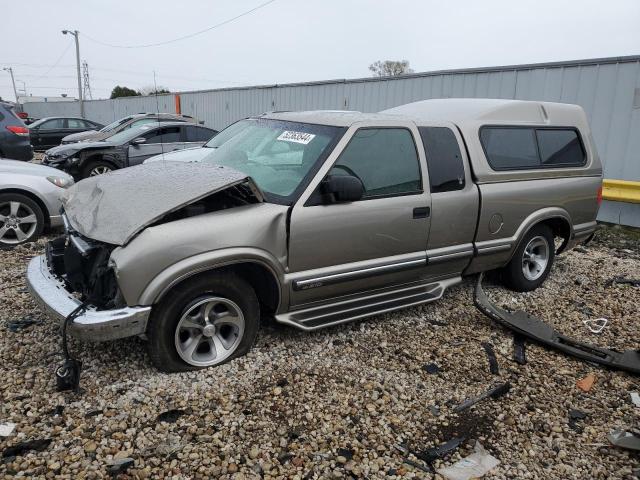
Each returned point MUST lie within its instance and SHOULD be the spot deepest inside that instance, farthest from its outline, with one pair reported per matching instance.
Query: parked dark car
(48, 132)
(130, 121)
(127, 148)
(14, 135)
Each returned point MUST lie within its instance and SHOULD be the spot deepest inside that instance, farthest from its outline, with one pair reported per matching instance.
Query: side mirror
(342, 188)
(138, 141)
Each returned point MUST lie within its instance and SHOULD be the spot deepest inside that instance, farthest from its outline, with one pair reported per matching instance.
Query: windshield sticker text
(296, 137)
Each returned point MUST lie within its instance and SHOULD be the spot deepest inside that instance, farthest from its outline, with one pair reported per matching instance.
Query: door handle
(421, 212)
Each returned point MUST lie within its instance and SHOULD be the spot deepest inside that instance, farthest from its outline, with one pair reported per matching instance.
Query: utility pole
(75, 34)
(13, 82)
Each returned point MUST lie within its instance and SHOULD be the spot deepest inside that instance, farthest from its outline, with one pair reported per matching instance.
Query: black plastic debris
(491, 355)
(424, 468)
(574, 416)
(634, 282)
(92, 413)
(494, 392)
(170, 416)
(346, 453)
(283, 382)
(430, 455)
(535, 329)
(15, 326)
(121, 465)
(431, 368)
(24, 447)
(519, 349)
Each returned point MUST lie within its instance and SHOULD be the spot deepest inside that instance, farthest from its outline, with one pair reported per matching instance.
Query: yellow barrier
(621, 191)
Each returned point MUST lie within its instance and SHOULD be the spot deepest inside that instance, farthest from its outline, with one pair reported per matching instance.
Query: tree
(151, 90)
(119, 91)
(390, 68)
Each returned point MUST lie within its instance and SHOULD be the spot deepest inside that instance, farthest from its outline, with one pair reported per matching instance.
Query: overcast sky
(295, 40)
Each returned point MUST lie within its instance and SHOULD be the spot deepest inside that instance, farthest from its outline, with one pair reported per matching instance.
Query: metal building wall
(608, 89)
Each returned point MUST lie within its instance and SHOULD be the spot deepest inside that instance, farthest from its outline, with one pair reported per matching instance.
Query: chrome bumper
(96, 325)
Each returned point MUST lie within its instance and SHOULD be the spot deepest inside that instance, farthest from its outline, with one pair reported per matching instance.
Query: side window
(444, 160)
(54, 124)
(89, 124)
(142, 121)
(385, 159)
(560, 147)
(510, 148)
(163, 135)
(197, 134)
(75, 123)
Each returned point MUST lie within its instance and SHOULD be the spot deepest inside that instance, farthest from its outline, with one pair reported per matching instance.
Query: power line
(190, 35)
(56, 63)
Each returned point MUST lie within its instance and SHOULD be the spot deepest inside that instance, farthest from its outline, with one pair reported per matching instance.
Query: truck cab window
(444, 160)
(510, 148)
(385, 160)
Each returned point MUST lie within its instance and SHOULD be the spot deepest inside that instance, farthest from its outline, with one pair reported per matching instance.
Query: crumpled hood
(114, 207)
(71, 148)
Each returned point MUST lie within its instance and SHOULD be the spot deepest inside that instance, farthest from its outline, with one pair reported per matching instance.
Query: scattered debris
(586, 383)
(580, 249)
(117, 466)
(431, 368)
(635, 398)
(424, 468)
(493, 361)
(23, 447)
(634, 282)
(494, 392)
(6, 429)
(432, 454)
(624, 439)
(473, 466)
(346, 453)
(574, 416)
(596, 325)
(435, 410)
(17, 325)
(170, 416)
(519, 349)
(535, 329)
(437, 323)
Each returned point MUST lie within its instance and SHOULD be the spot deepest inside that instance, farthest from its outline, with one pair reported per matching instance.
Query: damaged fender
(535, 329)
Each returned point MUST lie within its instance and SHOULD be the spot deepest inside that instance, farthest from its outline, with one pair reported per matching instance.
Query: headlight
(62, 182)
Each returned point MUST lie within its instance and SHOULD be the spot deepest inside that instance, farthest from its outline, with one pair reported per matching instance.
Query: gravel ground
(336, 403)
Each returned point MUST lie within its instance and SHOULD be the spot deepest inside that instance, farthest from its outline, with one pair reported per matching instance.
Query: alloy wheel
(535, 258)
(18, 222)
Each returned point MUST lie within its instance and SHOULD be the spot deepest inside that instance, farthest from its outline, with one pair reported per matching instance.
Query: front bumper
(95, 325)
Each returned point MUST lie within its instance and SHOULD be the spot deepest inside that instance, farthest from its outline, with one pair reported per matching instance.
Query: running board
(353, 308)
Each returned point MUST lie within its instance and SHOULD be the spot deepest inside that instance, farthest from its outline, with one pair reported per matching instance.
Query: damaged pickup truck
(319, 218)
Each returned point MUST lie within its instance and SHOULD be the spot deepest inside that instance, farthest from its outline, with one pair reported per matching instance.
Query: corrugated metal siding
(605, 88)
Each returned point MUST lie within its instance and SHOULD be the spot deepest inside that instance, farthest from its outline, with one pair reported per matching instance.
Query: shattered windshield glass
(277, 155)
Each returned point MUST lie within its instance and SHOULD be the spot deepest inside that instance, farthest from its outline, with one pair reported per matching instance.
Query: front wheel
(21, 219)
(95, 168)
(204, 322)
(532, 260)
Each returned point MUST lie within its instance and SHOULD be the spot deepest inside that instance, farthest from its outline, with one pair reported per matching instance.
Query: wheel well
(261, 279)
(98, 157)
(35, 198)
(560, 228)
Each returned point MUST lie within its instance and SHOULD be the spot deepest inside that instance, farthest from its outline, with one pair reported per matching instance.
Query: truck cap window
(444, 160)
(385, 160)
(519, 148)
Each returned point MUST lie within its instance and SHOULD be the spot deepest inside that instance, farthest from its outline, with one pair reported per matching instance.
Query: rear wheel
(532, 261)
(95, 168)
(21, 219)
(204, 322)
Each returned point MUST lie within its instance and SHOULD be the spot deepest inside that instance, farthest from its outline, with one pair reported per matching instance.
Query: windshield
(125, 136)
(114, 125)
(278, 155)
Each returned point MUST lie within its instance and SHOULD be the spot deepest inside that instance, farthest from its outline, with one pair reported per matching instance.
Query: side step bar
(348, 309)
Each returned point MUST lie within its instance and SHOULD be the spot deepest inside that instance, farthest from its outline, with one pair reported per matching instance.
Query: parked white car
(29, 200)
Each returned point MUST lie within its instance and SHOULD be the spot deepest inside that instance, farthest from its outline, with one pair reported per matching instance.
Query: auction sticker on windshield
(296, 137)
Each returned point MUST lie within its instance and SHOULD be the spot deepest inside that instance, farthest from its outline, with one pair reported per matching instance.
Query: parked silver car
(319, 218)
(29, 200)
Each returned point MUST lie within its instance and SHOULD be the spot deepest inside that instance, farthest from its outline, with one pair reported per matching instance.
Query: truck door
(343, 248)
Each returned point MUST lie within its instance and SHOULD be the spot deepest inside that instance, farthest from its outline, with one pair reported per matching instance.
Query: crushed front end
(76, 270)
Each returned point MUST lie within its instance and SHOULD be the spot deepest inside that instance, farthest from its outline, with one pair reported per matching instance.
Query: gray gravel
(335, 403)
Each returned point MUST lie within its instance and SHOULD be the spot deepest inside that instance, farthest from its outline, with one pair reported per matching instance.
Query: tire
(532, 260)
(172, 331)
(92, 168)
(21, 219)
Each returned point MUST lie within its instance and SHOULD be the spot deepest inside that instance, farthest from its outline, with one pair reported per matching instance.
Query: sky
(294, 40)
